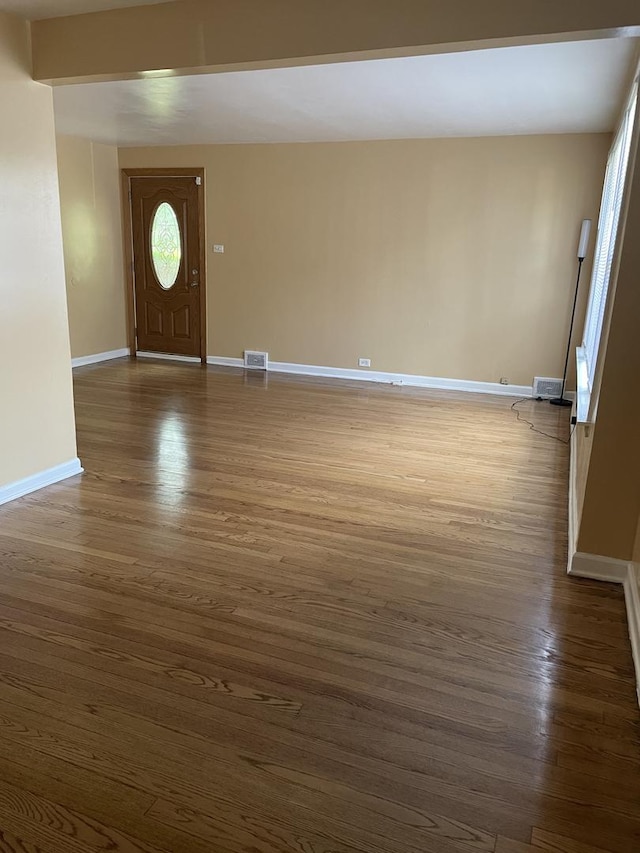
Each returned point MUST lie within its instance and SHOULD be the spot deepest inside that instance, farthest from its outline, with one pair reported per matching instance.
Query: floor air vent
(256, 360)
(547, 388)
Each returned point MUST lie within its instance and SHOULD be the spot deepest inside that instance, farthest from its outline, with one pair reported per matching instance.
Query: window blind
(608, 223)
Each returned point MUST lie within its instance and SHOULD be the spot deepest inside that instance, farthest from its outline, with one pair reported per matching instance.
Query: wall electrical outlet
(364, 362)
(504, 380)
(218, 248)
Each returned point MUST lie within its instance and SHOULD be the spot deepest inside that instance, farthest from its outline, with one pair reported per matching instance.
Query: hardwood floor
(308, 616)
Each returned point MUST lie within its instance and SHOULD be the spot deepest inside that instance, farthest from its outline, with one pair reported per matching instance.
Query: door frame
(127, 223)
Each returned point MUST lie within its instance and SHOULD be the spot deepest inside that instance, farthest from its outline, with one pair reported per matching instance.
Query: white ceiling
(573, 87)
(34, 10)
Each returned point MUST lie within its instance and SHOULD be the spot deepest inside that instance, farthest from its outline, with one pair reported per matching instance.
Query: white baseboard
(632, 601)
(165, 356)
(598, 568)
(221, 361)
(100, 356)
(40, 480)
(388, 378)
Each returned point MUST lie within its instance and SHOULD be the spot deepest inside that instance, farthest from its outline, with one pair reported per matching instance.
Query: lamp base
(560, 401)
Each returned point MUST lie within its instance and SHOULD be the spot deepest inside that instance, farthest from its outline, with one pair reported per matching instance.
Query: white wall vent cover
(256, 360)
(545, 387)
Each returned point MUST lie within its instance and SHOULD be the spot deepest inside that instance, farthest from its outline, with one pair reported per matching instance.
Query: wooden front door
(168, 279)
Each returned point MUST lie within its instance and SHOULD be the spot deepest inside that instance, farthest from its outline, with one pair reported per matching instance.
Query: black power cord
(532, 426)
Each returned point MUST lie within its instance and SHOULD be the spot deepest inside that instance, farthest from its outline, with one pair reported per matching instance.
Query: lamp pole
(582, 254)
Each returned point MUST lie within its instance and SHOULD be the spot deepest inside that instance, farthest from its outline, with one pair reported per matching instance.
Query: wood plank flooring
(287, 614)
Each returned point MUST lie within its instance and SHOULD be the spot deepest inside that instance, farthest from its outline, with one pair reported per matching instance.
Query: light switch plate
(218, 248)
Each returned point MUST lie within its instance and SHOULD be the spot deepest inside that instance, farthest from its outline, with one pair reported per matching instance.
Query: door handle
(194, 284)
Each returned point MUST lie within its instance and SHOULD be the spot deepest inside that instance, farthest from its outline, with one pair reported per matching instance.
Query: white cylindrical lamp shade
(583, 245)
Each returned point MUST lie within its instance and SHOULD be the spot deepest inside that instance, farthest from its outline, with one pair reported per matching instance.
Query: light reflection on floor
(173, 468)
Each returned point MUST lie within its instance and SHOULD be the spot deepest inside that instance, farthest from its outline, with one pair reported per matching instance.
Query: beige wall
(223, 33)
(92, 233)
(582, 439)
(636, 548)
(37, 426)
(451, 258)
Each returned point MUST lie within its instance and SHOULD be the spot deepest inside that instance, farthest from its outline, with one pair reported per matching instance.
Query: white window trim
(583, 387)
(588, 370)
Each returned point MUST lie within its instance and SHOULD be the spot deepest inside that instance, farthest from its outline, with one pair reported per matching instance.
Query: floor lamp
(582, 254)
